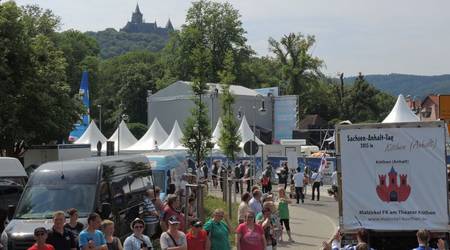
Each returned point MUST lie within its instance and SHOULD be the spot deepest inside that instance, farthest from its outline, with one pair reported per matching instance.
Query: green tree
(229, 137)
(125, 79)
(299, 68)
(197, 130)
(36, 103)
(364, 103)
(217, 28)
(114, 43)
(261, 72)
(137, 129)
(77, 47)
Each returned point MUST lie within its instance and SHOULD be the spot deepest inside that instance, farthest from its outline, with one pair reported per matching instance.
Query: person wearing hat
(197, 237)
(173, 238)
(137, 240)
(40, 235)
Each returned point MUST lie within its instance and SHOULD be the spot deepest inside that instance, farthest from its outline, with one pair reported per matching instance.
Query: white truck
(393, 180)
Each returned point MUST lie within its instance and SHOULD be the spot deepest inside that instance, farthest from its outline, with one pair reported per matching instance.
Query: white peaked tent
(401, 112)
(92, 136)
(174, 139)
(155, 133)
(246, 133)
(216, 134)
(126, 137)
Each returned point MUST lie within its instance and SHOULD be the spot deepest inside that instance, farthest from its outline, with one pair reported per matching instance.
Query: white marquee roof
(247, 134)
(216, 134)
(174, 139)
(155, 133)
(401, 112)
(92, 136)
(126, 137)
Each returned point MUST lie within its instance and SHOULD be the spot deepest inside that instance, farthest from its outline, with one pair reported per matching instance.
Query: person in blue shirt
(423, 236)
(91, 238)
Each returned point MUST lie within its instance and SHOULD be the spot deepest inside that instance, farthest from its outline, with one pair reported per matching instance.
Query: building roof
(432, 98)
(183, 89)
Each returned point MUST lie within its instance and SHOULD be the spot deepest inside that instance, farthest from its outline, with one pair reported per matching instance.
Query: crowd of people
(263, 219)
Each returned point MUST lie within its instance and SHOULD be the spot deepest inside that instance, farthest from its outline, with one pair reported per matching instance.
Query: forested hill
(414, 85)
(113, 43)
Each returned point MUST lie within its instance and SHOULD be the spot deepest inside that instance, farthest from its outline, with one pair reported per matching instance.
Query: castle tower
(137, 16)
(169, 26)
(393, 177)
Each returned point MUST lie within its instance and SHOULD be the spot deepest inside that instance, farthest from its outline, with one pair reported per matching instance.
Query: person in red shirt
(172, 209)
(40, 235)
(197, 238)
(249, 235)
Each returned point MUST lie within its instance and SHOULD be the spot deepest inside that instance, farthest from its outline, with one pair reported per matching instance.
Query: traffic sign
(250, 147)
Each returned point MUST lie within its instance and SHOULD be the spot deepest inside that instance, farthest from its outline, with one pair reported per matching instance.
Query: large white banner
(394, 178)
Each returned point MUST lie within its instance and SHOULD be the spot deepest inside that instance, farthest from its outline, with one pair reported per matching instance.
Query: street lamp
(100, 116)
(262, 111)
(149, 95)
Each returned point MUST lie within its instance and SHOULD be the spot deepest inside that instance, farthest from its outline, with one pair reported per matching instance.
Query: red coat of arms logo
(393, 192)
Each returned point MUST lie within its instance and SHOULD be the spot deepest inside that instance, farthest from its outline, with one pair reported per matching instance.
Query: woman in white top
(243, 207)
(173, 239)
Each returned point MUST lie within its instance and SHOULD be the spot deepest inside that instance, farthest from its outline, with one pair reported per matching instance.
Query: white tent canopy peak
(401, 112)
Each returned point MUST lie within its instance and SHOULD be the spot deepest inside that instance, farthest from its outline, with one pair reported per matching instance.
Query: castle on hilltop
(138, 25)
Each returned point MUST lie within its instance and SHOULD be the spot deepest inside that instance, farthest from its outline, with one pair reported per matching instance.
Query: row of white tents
(155, 137)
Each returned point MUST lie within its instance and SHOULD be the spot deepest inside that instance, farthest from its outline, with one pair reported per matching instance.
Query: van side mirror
(11, 210)
(106, 210)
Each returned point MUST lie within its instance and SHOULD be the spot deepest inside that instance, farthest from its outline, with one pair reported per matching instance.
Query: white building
(175, 103)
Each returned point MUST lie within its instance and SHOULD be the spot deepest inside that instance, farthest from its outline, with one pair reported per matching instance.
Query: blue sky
(378, 36)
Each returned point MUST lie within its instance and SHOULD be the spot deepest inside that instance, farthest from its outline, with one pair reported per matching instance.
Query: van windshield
(39, 202)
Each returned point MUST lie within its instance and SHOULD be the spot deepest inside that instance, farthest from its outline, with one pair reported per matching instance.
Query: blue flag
(82, 125)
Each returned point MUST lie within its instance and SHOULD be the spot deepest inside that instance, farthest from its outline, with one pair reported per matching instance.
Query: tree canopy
(40, 72)
(36, 101)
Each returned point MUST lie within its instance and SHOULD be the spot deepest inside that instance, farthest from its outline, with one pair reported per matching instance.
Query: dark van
(12, 181)
(111, 186)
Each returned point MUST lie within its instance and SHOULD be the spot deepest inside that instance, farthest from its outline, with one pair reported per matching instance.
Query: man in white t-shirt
(298, 182)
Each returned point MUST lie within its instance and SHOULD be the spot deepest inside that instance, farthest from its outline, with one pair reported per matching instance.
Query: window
(39, 202)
